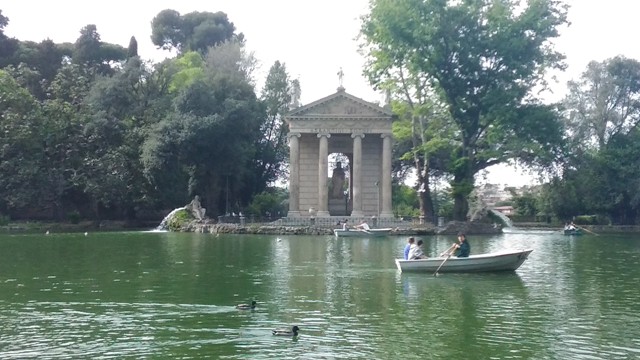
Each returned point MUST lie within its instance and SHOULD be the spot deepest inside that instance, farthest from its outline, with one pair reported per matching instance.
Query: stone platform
(336, 221)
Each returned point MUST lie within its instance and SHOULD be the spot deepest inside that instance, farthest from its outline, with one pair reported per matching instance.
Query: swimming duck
(285, 332)
(246, 306)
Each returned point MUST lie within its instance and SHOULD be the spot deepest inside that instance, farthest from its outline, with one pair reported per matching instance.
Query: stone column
(294, 177)
(323, 170)
(357, 175)
(387, 210)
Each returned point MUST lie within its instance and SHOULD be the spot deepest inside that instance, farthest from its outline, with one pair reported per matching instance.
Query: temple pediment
(340, 105)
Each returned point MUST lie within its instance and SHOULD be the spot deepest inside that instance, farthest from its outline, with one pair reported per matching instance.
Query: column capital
(327, 135)
(358, 134)
(292, 134)
(386, 135)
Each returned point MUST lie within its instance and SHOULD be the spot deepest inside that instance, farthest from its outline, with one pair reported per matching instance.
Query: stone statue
(196, 209)
(387, 97)
(340, 77)
(337, 182)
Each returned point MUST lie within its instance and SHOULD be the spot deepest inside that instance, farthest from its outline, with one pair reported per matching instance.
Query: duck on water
(247, 306)
(286, 332)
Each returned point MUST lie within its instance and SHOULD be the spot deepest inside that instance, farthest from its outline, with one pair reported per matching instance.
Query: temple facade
(356, 135)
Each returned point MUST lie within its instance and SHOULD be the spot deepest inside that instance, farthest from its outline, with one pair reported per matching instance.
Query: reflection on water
(167, 295)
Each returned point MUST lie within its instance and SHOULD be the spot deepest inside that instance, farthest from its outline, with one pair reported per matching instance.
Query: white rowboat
(361, 233)
(497, 261)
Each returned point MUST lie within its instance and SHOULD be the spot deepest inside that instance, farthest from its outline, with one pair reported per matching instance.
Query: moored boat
(361, 232)
(490, 262)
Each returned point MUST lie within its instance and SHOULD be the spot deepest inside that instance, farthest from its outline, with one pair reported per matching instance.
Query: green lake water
(155, 295)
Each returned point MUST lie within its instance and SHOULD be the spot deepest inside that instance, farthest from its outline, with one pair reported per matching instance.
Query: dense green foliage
(526, 204)
(195, 31)
(405, 201)
(601, 172)
(268, 204)
(89, 130)
(479, 59)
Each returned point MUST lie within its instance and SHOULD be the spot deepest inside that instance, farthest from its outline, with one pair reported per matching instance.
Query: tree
(600, 171)
(187, 69)
(481, 58)
(525, 204)
(28, 78)
(620, 179)
(230, 59)
(49, 60)
(604, 102)
(72, 84)
(210, 137)
(42, 149)
(4, 21)
(90, 51)
(63, 157)
(36, 64)
(132, 50)
(166, 30)
(8, 46)
(420, 133)
(121, 110)
(278, 97)
(269, 203)
(405, 201)
(195, 31)
(604, 183)
(21, 149)
(87, 46)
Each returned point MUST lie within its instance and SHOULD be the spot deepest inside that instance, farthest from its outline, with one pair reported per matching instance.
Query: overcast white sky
(313, 38)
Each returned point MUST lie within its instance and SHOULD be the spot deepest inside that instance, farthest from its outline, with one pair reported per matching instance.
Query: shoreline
(206, 226)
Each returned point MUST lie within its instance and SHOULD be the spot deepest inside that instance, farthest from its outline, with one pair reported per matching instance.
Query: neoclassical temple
(358, 134)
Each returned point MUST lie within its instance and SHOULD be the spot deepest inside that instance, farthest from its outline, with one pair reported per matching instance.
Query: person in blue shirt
(408, 247)
(462, 246)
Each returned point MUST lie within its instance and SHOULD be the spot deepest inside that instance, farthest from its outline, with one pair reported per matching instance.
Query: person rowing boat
(364, 226)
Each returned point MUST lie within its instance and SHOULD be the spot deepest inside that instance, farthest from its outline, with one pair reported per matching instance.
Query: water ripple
(165, 295)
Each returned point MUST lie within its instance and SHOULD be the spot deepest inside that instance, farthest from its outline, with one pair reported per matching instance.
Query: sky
(314, 38)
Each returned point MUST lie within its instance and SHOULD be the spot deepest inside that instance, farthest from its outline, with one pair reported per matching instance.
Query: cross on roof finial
(340, 77)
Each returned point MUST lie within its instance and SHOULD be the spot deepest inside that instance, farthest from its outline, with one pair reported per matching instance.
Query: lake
(173, 295)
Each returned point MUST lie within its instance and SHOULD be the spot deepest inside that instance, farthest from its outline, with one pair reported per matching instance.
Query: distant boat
(490, 262)
(572, 232)
(361, 233)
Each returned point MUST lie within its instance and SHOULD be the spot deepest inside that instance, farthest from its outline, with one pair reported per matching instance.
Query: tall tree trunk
(421, 159)
(462, 185)
(461, 190)
(424, 197)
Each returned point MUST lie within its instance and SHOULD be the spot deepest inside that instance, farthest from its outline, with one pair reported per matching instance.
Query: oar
(449, 252)
(445, 260)
(587, 230)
